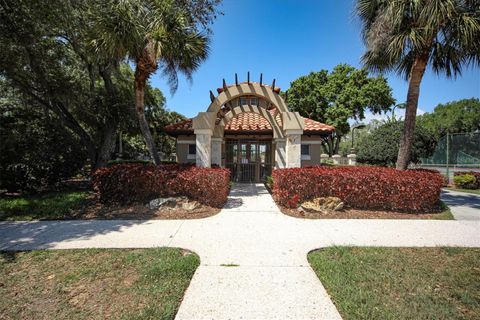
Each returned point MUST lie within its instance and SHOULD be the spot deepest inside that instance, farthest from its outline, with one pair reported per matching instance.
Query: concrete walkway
(253, 258)
(464, 206)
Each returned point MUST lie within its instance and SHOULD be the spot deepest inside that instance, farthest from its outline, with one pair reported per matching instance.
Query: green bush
(122, 161)
(465, 181)
(381, 146)
(269, 181)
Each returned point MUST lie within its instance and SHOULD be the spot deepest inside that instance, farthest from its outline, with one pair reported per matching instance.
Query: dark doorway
(249, 160)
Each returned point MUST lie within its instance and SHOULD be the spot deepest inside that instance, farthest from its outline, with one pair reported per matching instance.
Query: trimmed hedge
(360, 187)
(127, 183)
(476, 174)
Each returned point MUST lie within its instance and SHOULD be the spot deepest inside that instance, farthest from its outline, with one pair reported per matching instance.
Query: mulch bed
(349, 213)
(94, 209)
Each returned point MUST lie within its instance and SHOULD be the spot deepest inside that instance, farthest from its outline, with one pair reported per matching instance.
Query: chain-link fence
(455, 152)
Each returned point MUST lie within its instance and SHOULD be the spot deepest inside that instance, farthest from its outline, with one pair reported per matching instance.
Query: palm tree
(406, 36)
(153, 34)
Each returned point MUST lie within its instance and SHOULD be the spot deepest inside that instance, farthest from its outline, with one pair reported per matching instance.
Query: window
(246, 100)
(192, 151)
(305, 150)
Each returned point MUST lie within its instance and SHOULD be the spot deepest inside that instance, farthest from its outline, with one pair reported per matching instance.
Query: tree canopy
(165, 34)
(380, 147)
(460, 116)
(407, 36)
(55, 80)
(335, 97)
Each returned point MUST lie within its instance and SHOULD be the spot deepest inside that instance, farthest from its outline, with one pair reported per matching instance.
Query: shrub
(465, 181)
(360, 187)
(127, 161)
(476, 174)
(381, 146)
(126, 183)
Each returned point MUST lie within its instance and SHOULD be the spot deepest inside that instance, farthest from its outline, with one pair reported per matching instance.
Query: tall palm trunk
(140, 83)
(416, 75)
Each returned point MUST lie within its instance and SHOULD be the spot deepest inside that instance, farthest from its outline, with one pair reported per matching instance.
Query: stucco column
(203, 140)
(293, 148)
(352, 159)
(280, 155)
(217, 151)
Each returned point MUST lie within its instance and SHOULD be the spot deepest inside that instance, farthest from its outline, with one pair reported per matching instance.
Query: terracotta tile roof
(249, 122)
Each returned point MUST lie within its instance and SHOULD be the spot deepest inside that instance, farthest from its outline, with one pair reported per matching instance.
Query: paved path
(253, 258)
(464, 206)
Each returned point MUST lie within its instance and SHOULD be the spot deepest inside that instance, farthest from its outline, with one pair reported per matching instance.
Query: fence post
(336, 159)
(324, 157)
(352, 159)
(448, 158)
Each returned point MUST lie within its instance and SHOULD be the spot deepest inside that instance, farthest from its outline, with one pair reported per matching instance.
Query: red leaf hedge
(360, 187)
(127, 183)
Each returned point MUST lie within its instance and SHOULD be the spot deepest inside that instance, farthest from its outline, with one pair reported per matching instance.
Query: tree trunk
(329, 146)
(140, 83)
(416, 75)
(337, 140)
(107, 144)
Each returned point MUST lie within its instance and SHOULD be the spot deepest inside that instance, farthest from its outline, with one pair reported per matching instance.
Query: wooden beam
(261, 78)
(273, 85)
(224, 85)
(212, 96)
(236, 79)
(248, 77)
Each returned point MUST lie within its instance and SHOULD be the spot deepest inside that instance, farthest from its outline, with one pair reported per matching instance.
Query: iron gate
(249, 160)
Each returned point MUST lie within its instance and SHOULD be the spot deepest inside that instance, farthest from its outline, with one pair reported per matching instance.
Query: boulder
(323, 204)
(162, 202)
(190, 205)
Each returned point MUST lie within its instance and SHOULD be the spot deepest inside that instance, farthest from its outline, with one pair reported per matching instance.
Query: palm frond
(397, 31)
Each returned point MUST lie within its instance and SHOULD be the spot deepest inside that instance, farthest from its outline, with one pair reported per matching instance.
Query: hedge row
(360, 187)
(476, 174)
(127, 183)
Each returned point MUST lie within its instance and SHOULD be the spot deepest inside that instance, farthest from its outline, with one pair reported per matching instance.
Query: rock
(162, 202)
(323, 203)
(190, 205)
(339, 206)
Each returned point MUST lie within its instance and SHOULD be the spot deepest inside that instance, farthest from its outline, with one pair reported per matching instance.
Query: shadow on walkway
(45, 234)
(461, 199)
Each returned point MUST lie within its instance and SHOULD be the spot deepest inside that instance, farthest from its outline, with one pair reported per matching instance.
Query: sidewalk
(253, 258)
(464, 206)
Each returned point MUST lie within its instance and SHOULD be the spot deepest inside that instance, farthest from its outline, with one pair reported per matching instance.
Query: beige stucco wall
(315, 150)
(182, 148)
(314, 141)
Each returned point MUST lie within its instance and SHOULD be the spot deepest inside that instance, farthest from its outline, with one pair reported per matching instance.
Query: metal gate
(249, 160)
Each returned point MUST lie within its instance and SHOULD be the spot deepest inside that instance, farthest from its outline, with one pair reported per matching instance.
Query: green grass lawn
(473, 191)
(94, 284)
(47, 207)
(401, 283)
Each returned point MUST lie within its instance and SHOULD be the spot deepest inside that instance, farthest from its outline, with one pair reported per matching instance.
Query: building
(249, 129)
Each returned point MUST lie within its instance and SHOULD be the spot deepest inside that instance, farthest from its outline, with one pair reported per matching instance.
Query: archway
(287, 127)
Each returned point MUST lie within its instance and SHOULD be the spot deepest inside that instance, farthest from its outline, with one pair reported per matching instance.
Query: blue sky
(285, 39)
